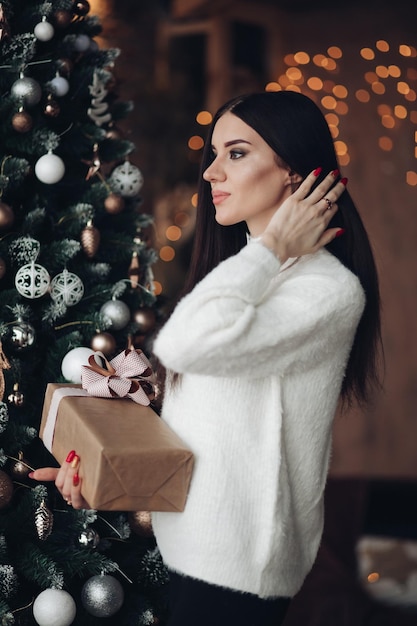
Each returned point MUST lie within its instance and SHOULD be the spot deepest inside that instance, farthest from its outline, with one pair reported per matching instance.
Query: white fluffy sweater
(262, 348)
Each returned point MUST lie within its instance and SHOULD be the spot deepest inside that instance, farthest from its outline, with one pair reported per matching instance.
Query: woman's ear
(294, 180)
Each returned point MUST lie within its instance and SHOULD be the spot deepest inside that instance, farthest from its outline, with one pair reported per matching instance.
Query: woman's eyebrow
(232, 142)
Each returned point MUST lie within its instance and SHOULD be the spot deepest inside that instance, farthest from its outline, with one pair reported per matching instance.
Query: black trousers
(196, 603)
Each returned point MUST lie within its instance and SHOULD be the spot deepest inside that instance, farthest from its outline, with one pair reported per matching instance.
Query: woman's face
(247, 183)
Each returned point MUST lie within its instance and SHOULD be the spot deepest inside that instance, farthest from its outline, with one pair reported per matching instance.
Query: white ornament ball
(28, 90)
(82, 43)
(44, 31)
(118, 313)
(72, 363)
(102, 596)
(54, 607)
(59, 86)
(50, 168)
(126, 179)
(32, 280)
(67, 288)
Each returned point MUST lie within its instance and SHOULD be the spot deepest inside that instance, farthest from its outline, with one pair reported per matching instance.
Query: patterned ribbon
(129, 374)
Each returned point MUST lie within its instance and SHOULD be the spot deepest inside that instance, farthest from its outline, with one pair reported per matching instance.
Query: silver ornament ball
(89, 538)
(22, 335)
(102, 596)
(117, 312)
(28, 90)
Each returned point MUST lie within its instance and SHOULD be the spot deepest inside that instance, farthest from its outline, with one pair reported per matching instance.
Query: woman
(280, 320)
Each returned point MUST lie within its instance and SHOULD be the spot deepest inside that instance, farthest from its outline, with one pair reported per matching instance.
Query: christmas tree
(75, 277)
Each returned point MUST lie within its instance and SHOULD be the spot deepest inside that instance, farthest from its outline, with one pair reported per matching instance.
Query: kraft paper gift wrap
(130, 459)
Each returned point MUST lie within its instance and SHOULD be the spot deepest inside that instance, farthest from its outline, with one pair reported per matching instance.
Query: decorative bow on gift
(129, 374)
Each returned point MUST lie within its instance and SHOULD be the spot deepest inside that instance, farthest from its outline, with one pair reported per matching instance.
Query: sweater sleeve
(235, 322)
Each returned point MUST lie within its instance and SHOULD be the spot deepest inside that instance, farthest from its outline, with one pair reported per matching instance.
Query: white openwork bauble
(32, 280)
(67, 288)
(126, 179)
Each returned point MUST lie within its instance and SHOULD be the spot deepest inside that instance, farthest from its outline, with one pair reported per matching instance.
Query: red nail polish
(76, 480)
(70, 456)
(317, 171)
(344, 181)
(336, 173)
(340, 232)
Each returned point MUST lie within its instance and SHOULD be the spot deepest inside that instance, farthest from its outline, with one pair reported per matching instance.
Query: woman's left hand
(67, 480)
(299, 226)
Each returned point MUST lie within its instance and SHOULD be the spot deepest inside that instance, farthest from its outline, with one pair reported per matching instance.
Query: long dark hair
(296, 130)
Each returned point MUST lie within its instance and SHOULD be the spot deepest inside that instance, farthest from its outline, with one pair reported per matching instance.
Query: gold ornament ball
(145, 319)
(22, 122)
(104, 342)
(6, 489)
(114, 204)
(140, 523)
(6, 216)
(2, 268)
(16, 397)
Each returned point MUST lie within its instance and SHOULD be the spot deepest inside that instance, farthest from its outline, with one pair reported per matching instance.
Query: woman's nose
(213, 172)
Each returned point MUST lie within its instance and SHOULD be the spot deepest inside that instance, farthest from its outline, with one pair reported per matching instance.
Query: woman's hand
(299, 226)
(67, 480)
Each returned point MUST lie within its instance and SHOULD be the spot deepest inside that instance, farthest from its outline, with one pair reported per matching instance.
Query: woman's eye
(236, 154)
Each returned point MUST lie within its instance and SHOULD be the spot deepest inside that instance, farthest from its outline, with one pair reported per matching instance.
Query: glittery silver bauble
(27, 90)
(67, 288)
(89, 538)
(32, 281)
(54, 607)
(22, 335)
(118, 313)
(126, 179)
(102, 596)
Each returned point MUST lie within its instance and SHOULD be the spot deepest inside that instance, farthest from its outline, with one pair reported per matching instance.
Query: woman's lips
(219, 196)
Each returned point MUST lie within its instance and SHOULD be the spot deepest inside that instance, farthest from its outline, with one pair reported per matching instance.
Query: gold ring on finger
(329, 203)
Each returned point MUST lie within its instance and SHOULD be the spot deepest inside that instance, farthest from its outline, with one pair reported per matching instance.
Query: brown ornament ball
(6, 489)
(114, 204)
(140, 523)
(22, 122)
(2, 268)
(62, 18)
(104, 342)
(145, 318)
(6, 216)
(113, 133)
(81, 7)
(52, 108)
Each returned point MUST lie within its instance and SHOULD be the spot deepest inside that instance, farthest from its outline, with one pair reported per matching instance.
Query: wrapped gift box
(130, 459)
